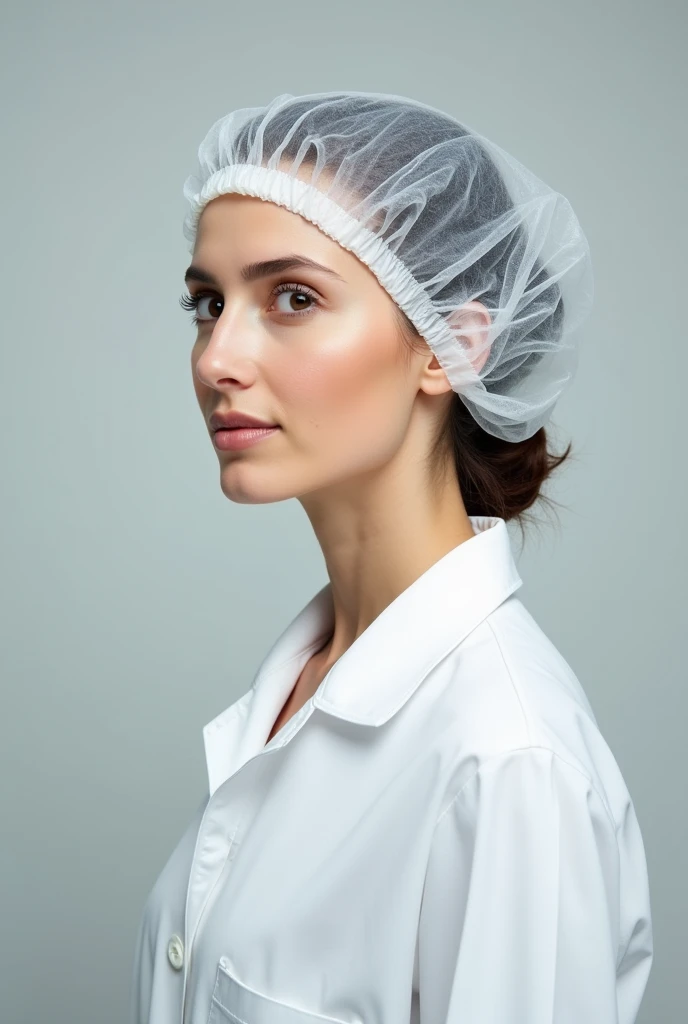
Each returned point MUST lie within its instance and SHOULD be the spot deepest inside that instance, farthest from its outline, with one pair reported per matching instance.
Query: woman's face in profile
(316, 351)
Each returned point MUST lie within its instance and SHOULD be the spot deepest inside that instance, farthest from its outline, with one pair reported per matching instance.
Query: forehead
(238, 220)
(239, 229)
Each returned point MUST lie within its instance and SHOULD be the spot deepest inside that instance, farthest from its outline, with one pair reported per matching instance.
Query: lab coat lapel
(241, 730)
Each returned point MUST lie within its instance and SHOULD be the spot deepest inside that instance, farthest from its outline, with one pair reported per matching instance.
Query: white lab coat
(440, 835)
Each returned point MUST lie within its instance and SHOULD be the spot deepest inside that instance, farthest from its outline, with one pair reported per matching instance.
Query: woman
(412, 814)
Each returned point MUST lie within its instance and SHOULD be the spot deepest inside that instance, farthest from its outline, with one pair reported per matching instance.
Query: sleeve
(519, 918)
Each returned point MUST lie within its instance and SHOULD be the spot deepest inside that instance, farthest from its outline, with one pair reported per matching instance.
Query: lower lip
(244, 437)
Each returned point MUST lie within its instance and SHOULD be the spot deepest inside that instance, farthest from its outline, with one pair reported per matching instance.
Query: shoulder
(508, 693)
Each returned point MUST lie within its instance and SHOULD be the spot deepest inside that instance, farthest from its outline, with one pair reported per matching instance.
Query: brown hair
(496, 477)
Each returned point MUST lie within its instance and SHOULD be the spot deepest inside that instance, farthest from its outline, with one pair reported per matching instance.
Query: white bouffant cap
(441, 216)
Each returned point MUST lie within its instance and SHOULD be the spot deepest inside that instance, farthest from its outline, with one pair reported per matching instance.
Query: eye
(197, 302)
(295, 305)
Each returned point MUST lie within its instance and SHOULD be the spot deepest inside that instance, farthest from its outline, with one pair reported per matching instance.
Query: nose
(229, 351)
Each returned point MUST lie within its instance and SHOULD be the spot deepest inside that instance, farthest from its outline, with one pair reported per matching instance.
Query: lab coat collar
(373, 679)
(388, 661)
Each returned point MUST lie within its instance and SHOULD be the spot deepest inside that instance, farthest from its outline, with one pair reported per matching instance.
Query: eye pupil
(300, 296)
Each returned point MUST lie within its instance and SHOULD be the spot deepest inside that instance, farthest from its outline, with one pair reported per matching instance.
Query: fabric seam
(489, 764)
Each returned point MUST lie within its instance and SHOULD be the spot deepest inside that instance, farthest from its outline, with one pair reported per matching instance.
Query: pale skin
(357, 413)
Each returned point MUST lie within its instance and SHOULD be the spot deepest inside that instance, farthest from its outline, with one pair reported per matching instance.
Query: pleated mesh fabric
(441, 216)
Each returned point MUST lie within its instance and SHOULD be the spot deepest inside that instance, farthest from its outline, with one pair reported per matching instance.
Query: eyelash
(193, 301)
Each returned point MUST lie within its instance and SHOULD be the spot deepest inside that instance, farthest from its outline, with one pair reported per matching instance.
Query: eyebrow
(264, 268)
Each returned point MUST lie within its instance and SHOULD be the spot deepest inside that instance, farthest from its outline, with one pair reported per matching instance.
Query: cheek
(350, 387)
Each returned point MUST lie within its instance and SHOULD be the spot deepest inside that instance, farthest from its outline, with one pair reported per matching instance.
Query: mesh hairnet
(441, 216)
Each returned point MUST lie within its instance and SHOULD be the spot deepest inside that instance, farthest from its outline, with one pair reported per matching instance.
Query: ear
(471, 322)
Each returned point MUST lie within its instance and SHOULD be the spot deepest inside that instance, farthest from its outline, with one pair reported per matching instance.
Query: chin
(244, 494)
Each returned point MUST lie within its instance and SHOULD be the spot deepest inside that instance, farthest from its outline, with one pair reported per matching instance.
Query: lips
(236, 420)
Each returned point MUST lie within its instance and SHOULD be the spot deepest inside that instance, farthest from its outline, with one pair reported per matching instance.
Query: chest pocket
(234, 1003)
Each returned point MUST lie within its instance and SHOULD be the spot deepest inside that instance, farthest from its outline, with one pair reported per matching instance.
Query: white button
(175, 952)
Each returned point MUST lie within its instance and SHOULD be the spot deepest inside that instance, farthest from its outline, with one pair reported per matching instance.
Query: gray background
(137, 602)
